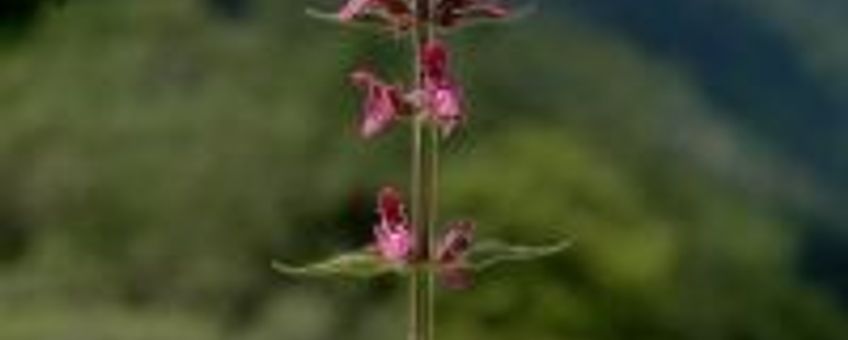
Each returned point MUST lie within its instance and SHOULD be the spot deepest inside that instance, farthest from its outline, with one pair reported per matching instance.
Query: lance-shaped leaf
(356, 265)
(331, 17)
(489, 253)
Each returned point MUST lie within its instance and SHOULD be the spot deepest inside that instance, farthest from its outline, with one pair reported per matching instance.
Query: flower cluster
(396, 241)
(440, 98)
(398, 14)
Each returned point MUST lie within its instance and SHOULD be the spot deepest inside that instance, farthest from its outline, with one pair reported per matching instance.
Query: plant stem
(433, 211)
(422, 281)
(417, 281)
(423, 181)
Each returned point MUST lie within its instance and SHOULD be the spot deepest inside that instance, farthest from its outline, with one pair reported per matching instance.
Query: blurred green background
(156, 154)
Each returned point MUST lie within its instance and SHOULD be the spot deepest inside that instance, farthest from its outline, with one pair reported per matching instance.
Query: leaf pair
(364, 264)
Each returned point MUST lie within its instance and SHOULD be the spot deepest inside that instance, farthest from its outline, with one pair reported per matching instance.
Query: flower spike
(403, 244)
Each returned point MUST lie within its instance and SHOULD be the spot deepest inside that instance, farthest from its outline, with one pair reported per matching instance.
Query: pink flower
(353, 8)
(442, 96)
(394, 12)
(450, 13)
(395, 237)
(382, 106)
(395, 241)
(450, 255)
(456, 242)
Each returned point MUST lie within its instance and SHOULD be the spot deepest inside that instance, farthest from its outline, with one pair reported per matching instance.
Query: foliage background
(156, 154)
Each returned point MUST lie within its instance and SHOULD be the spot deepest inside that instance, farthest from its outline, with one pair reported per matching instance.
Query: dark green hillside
(775, 69)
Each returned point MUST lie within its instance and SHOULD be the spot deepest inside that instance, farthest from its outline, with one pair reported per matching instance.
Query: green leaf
(321, 15)
(489, 253)
(354, 265)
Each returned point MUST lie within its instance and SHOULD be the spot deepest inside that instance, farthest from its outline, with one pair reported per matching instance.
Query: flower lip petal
(394, 242)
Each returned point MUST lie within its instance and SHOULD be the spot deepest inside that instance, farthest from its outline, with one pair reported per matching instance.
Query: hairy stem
(423, 192)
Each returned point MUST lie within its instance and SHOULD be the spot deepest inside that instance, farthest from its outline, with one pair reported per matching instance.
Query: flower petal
(395, 243)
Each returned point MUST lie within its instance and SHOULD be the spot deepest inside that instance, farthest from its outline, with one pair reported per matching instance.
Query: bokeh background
(155, 155)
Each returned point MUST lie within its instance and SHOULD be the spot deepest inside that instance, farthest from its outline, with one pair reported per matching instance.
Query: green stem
(417, 280)
(422, 280)
(423, 181)
(433, 211)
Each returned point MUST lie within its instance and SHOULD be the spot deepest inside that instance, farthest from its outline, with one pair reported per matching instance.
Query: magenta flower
(450, 13)
(383, 103)
(442, 95)
(394, 12)
(353, 8)
(450, 255)
(395, 237)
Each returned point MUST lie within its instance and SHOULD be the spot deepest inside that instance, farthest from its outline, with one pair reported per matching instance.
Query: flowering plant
(406, 242)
